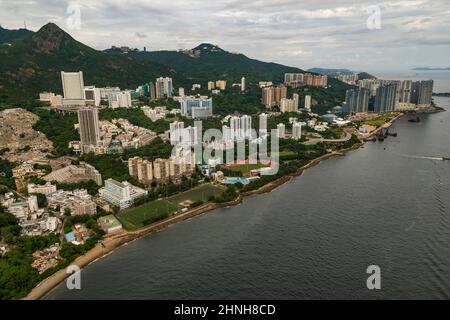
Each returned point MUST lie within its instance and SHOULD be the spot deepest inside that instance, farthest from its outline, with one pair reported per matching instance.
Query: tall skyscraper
(176, 131)
(272, 96)
(164, 88)
(281, 131)
(152, 91)
(296, 131)
(89, 127)
(235, 127)
(243, 84)
(406, 91)
(425, 92)
(246, 125)
(308, 101)
(386, 98)
(357, 100)
(241, 127)
(263, 124)
(288, 105)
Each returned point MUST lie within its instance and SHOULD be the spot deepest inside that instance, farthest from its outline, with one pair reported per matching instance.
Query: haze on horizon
(310, 33)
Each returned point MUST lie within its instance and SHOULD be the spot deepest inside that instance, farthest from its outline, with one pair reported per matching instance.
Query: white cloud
(301, 33)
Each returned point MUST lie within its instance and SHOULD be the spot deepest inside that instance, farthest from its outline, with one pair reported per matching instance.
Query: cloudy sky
(360, 35)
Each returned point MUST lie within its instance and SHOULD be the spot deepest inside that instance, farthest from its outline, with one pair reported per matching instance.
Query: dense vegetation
(233, 101)
(58, 128)
(17, 277)
(6, 178)
(9, 36)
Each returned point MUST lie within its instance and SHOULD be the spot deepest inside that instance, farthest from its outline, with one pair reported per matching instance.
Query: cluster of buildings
(159, 113)
(23, 172)
(162, 170)
(221, 85)
(389, 95)
(181, 136)
(196, 107)
(296, 80)
(76, 94)
(109, 137)
(33, 220)
(160, 89)
(78, 202)
(351, 79)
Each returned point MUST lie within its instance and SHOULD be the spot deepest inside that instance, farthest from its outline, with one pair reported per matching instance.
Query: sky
(358, 35)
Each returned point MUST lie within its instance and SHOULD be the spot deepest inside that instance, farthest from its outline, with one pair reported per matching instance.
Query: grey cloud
(301, 33)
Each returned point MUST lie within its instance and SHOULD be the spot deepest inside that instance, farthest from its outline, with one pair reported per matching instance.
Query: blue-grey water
(387, 204)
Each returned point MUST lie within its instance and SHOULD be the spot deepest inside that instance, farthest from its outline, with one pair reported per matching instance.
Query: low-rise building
(45, 189)
(110, 225)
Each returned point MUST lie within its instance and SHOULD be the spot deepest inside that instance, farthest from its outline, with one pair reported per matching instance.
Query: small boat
(415, 120)
(446, 158)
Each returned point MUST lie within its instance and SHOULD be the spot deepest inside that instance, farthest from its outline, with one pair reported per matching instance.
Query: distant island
(331, 72)
(431, 69)
(341, 72)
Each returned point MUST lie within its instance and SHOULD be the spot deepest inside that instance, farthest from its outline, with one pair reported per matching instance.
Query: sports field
(244, 168)
(201, 193)
(146, 214)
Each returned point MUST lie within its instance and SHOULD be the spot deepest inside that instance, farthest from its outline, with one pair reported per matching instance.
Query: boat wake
(421, 157)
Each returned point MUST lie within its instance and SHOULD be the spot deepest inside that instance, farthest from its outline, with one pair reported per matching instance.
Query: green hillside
(9, 36)
(33, 64)
(214, 63)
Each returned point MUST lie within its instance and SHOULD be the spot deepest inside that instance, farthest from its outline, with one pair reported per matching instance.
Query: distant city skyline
(302, 34)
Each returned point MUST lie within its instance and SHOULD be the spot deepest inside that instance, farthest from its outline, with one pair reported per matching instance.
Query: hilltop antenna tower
(24, 24)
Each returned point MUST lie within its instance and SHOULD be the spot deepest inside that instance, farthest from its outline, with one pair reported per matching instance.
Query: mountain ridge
(33, 63)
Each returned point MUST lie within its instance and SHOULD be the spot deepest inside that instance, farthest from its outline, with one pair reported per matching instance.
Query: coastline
(109, 244)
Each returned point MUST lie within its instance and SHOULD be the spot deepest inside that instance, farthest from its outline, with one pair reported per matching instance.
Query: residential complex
(272, 96)
(357, 100)
(296, 80)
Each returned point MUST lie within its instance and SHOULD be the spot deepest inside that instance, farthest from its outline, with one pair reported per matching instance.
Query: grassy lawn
(146, 214)
(201, 193)
(244, 168)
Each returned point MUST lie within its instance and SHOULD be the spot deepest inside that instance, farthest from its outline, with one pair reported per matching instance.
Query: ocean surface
(387, 204)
